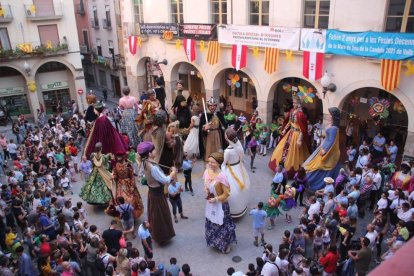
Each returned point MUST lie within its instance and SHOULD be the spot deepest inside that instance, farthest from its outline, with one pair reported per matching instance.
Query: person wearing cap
(104, 132)
(159, 215)
(323, 162)
(329, 188)
(211, 132)
(219, 226)
(98, 188)
(123, 175)
(401, 179)
(129, 105)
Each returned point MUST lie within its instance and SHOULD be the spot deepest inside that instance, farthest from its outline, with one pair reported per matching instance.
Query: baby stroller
(297, 260)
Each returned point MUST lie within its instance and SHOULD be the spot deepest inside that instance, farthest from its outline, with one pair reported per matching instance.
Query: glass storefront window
(52, 98)
(17, 104)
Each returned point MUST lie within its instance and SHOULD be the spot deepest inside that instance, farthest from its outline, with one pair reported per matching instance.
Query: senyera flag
(271, 60)
(213, 52)
(390, 74)
(189, 48)
(133, 41)
(312, 65)
(239, 56)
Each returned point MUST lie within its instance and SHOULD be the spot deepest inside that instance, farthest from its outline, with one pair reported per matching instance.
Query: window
(95, 16)
(85, 38)
(4, 39)
(259, 12)
(108, 15)
(98, 47)
(138, 11)
(177, 11)
(219, 11)
(111, 48)
(48, 33)
(400, 16)
(316, 14)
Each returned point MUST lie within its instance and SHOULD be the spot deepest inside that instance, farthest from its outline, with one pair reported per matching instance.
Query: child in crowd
(187, 169)
(259, 219)
(263, 136)
(132, 159)
(85, 168)
(252, 148)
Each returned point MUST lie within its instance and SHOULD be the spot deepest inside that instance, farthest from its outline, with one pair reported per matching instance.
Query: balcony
(6, 15)
(80, 9)
(35, 49)
(95, 24)
(119, 61)
(44, 12)
(113, 63)
(84, 49)
(106, 24)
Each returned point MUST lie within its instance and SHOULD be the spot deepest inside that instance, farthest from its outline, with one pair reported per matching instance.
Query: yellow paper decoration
(289, 55)
(202, 45)
(256, 51)
(1, 12)
(178, 44)
(139, 41)
(31, 85)
(33, 9)
(49, 44)
(25, 47)
(410, 68)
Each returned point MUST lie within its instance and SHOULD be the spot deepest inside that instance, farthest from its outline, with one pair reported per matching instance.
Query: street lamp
(27, 68)
(327, 84)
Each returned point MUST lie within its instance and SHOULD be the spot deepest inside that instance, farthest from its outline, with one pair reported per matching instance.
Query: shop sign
(158, 28)
(260, 36)
(395, 46)
(54, 85)
(11, 91)
(199, 31)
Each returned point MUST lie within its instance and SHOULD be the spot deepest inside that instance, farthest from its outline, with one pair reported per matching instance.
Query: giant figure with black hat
(211, 132)
(323, 162)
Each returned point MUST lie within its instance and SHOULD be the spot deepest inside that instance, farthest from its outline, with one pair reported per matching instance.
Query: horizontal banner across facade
(199, 31)
(260, 36)
(395, 46)
(158, 28)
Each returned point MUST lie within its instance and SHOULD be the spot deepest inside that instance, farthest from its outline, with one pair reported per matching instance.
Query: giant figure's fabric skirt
(95, 191)
(191, 147)
(129, 126)
(130, 193)
(239, 182)
(159, 216)
(221, 236)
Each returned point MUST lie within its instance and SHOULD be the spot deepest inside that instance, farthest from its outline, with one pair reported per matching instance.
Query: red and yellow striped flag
(213, 52)
(271, 60)
(390, 74)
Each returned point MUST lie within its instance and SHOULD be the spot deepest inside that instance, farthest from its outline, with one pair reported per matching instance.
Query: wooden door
(117, 86)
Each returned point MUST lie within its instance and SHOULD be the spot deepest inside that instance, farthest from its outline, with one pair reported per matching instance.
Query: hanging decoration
(239, 56)
(410, 68)
(255, 51)
(178, 44)
(289, 55)
(271, 60)
(287, 88)
(33, 9)
(390, 74)
(189, 48)
(202, 46)
(233, 80)
(1, 12)
(306, 94)
(49, 44)
(132, 42)
(139, 41)
(379, 107)
(199, 75)
(312, 65)
(31, 85)
(398, 107)
(213, 52)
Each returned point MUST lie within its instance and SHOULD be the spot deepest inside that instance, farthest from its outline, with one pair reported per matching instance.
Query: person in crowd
(129, 109)
(174, 193)
(362, 257)
(187, 170)
(252, 149)
(378, 144)
(219, 226)
(146, 240)
(191, 144)
(259, 220)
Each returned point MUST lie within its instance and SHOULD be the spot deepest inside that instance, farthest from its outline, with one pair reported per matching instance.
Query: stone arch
(64, 62)
(17, 68)
(346, 91)
(171, 71)
(140, 68)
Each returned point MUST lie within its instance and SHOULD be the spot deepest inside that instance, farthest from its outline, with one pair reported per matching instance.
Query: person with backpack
(271, 268)
(104, 260)
(126, 212)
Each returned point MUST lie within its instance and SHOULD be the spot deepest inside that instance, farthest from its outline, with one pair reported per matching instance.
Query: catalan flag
(390, 74)
(213, 52)
(271, 60)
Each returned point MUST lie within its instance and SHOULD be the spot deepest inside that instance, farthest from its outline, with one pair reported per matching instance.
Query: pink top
(128, 102)
(3, 142)
(221, 178)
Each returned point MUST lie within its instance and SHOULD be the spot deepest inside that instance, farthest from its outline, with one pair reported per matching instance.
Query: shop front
(15, 99)
(56, 94)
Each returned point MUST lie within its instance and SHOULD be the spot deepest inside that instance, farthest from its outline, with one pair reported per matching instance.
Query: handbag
(122, 242)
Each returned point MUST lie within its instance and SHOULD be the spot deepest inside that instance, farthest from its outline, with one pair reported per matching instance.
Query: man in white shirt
(377, 180)
(371, 235)
(270, 268)
(314, 208)
(404, 213)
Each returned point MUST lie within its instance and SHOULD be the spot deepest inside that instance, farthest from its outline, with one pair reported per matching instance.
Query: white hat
(328, 180)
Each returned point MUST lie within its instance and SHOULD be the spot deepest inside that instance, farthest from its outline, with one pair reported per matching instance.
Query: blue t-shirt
(187, 164)
(174, 189)
(259, 218)
(143, 233)
(380, 141)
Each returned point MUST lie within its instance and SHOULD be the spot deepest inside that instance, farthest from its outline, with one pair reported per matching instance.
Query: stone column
(170, 94)
(33, 99)
(81, 98)
(265, 109)
(409, 146)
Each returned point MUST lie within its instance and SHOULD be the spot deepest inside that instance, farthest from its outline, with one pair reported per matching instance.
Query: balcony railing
(112, 63)
(5, 14)
(34, 49)
(106, 24)
(80, 9)
(94, 24)
(43, 12)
